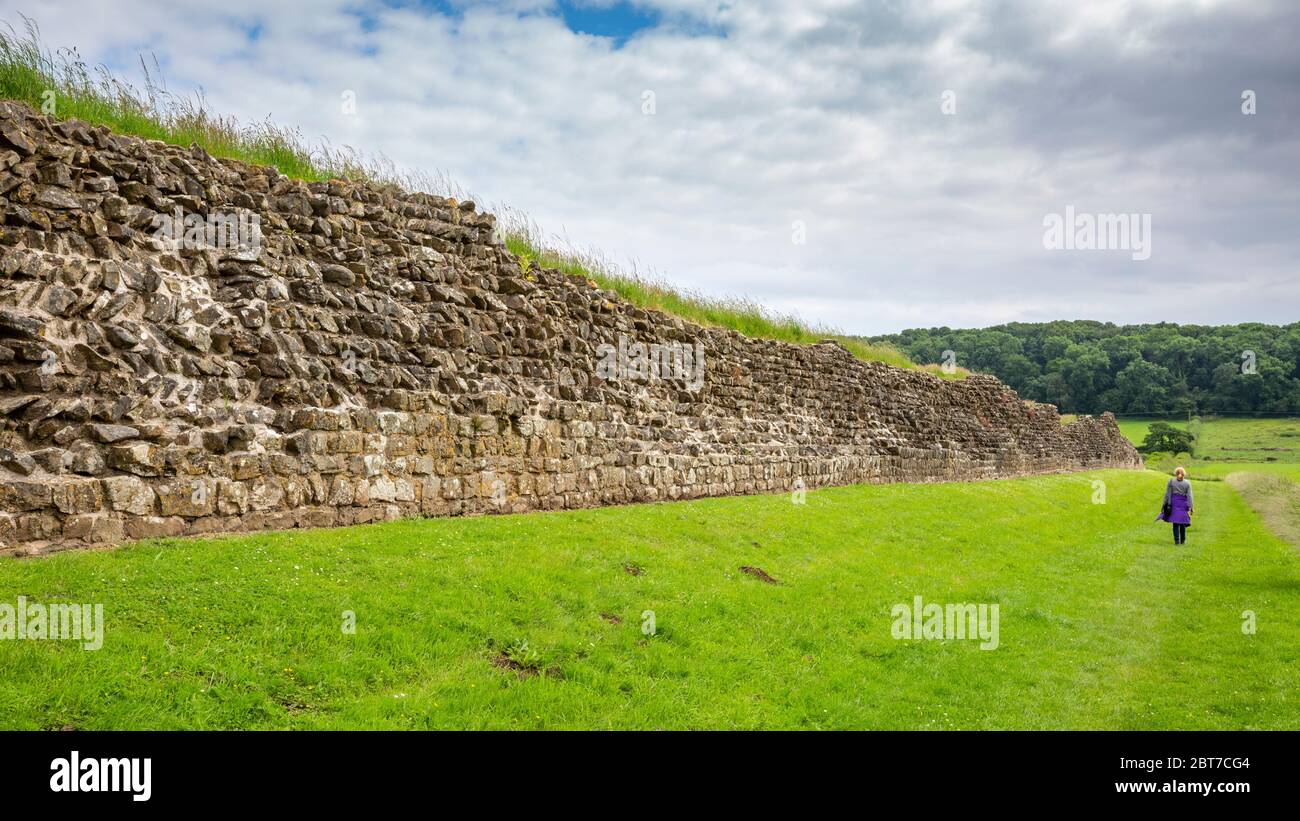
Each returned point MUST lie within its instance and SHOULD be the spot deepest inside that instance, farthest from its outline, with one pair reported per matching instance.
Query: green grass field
(1135, 430)
(1230, 445)
(536, 621)
(1224, 439)
(1250, 440)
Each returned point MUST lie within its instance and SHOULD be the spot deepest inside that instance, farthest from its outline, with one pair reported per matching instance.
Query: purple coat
(1179, 510)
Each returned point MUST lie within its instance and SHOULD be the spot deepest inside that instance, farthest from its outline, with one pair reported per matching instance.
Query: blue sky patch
(619, 21)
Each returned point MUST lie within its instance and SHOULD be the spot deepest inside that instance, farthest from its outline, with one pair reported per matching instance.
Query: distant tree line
(1083, 366)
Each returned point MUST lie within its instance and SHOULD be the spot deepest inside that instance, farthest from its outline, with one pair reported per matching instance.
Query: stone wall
(367, 354)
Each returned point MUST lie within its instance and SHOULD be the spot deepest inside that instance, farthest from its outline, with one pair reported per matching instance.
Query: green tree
(1086, 370)
(1143, 387)
(1088, 367)
(1163, 437)
(1054, 347)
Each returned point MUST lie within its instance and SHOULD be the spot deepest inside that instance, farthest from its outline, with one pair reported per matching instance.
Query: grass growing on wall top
(62, 84)
(738, 314)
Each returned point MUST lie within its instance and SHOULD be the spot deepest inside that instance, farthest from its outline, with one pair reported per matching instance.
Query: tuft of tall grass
(62, 85)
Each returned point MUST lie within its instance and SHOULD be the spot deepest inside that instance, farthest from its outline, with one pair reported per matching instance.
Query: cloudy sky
(916, 148)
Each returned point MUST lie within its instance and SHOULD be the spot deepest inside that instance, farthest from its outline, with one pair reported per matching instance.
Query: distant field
(1250, 440)
(1136, 429)
(1226, 446)
(1221, 439)
(539, 620)
(1218, 471)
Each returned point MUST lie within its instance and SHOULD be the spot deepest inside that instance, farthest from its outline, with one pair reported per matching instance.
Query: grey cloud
(824, 111)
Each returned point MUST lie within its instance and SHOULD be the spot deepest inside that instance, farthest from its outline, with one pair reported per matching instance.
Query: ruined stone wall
(370, 355)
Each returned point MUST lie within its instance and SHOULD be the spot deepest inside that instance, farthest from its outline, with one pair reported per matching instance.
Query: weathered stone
(337, 274)
(85, 458)
(51, 460)
(14, 136)
(232, 498)
(154, 527)
(121, 337)
(12, 404)
(52, 197)
(94, 529)
(78, 496)
(191, 497)
(38, 527)
(341, 492)
(265, 494)
(25, 495)
(113, 433)
(317, 517)
(141, 459)
(17, 462)
(14, 323)
(192, 336)
(382, 490)
(128, 494)
(59, 300)
(245, 466)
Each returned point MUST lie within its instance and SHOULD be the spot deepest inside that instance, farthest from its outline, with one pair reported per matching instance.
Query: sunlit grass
(1275, 497)
(1103, 624)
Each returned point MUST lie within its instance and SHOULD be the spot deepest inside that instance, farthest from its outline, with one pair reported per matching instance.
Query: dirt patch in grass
(523, 671)
(611, 618)
(1275, 498)
(633, 569)
(292, 706)
(520, 670)
(758, 573)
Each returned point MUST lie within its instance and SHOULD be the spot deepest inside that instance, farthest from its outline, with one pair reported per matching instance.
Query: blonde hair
(1180, 469)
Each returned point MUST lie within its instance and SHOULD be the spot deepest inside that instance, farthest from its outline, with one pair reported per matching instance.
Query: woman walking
(1177, 507)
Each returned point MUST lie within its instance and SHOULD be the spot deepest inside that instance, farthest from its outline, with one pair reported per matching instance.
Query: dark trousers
(1180, 534)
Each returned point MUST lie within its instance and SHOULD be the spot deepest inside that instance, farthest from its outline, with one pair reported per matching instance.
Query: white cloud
(826, 111)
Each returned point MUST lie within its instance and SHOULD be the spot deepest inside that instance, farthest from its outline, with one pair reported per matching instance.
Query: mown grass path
(1103, 622)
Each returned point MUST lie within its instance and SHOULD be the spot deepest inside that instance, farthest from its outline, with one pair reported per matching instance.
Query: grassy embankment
(537, 620)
